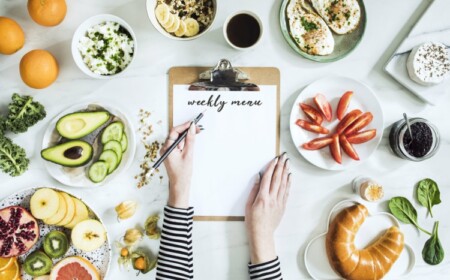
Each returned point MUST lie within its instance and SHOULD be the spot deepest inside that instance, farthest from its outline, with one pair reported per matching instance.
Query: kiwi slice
(37, 264)
(56, 244)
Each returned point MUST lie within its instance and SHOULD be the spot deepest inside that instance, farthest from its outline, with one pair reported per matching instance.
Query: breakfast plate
(100, 258)
(78, 176)
(343, 44)
(333, 88)
(315, 256)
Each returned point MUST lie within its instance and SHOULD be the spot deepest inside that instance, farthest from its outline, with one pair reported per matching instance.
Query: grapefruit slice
(74, 268)
(6, 262)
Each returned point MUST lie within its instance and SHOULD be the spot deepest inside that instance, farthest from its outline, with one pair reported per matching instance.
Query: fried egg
(309, 30)
(342, 16)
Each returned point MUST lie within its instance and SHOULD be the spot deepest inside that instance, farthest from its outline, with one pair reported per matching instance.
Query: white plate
(77, 177)
(151, 5)
(100, 258)
(333, 88)
(316, 260)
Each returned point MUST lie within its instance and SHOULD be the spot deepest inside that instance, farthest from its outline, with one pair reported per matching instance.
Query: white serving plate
(81, 31)
(77, 177)
(151, 5)
(316, 259)
(100, 258)
(333, 88)
(429, 28)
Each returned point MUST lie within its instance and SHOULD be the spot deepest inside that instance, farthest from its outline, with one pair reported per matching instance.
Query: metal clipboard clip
(223, 77)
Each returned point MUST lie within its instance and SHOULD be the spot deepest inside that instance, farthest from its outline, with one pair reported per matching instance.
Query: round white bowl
(151, 5)
(81, 31)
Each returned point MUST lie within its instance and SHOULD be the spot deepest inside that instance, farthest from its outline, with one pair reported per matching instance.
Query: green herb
(428, 194)
(347, 15)
(308, 25)
(2, 125)
(13, 159)
(403, 210)
(433, 252)
(23, 113)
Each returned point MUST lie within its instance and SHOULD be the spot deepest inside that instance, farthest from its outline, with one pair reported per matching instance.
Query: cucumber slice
(114, 146)
(114, 131)
(124, 142)
(111, 160)
(98, 171)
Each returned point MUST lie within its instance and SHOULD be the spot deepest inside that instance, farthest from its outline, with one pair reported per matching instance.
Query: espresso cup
(243, 30)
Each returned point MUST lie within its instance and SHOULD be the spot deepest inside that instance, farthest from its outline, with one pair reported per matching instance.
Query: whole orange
(38, 69)
(47, 12)
(12, 37)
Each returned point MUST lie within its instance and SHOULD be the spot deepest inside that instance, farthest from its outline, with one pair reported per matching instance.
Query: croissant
(372, 262)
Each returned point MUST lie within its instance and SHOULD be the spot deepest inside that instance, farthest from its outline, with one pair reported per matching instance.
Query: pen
(172, 147)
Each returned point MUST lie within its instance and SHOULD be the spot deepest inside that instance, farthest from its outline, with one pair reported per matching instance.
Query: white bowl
(81, 31)
(151, 5)
(227, 21)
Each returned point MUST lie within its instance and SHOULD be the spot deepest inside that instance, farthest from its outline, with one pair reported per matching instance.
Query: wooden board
(257, 75)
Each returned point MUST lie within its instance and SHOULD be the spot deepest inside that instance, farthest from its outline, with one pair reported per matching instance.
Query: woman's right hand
(265, 208)
(179, 164)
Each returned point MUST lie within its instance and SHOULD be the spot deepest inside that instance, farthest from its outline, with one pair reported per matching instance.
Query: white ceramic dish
(151, 5)
(76, 177)
(81, 31)
(100, 258)
(227, 21)
(316, 260)
(333, 88)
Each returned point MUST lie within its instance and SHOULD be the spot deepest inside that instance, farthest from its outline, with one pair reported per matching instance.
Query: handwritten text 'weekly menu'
(240, 137)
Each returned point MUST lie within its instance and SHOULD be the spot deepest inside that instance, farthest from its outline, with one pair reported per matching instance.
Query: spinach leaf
(403, 210)
(433, 252)
(428, 194)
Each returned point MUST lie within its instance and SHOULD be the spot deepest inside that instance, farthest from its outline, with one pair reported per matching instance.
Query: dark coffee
(243, 30)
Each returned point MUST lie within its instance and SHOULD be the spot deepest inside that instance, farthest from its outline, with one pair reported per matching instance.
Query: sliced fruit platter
(336, 123)
(88, 144)
(49, 233)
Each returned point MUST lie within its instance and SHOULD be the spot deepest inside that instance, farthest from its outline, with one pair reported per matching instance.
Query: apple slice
(70, 209)
(88, 235)
(44, 203)
(60, 214)
(81, 213)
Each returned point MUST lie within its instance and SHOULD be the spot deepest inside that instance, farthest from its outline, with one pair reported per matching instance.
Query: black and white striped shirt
(175, 259)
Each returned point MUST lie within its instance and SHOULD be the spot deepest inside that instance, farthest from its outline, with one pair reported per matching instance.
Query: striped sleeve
(175, 259)
(270, 270)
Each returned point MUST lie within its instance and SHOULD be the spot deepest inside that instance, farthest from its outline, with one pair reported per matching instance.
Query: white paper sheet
(236, 144)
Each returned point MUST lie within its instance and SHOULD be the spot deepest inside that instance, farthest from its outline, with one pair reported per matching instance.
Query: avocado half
(70, 154)
(80, 124)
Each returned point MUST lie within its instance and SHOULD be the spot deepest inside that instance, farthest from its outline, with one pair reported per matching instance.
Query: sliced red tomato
(335, 149)
(312, 127)
(348, 120)
(362, 137)
(347, 147)
(361, 122)
(343, 104)
(317, 143)
(324, 106)
(314, 115)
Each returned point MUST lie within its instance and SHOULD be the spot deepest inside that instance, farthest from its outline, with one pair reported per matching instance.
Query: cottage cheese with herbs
(107, 48)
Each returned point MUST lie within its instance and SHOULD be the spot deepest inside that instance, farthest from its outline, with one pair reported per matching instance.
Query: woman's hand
(265, 208)
(179, 164)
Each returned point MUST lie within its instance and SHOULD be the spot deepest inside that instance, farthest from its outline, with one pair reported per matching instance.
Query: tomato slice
(317, 143)
(362, 137)
(314, 115)
(361, 122)
(347, 147)
(312, 127)
(348, 120)
(335, 149)
(324, 106)
(343, 104)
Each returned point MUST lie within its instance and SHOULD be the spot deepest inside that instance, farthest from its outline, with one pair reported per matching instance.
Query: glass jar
(419, 147)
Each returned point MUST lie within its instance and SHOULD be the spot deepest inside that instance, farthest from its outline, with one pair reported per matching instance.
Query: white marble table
(221, 247)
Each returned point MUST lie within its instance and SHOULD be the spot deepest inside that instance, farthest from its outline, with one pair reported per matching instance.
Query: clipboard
(242, 78)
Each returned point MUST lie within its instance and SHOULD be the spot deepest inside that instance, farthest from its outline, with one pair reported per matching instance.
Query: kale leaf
(23, 113)
(13, 159)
